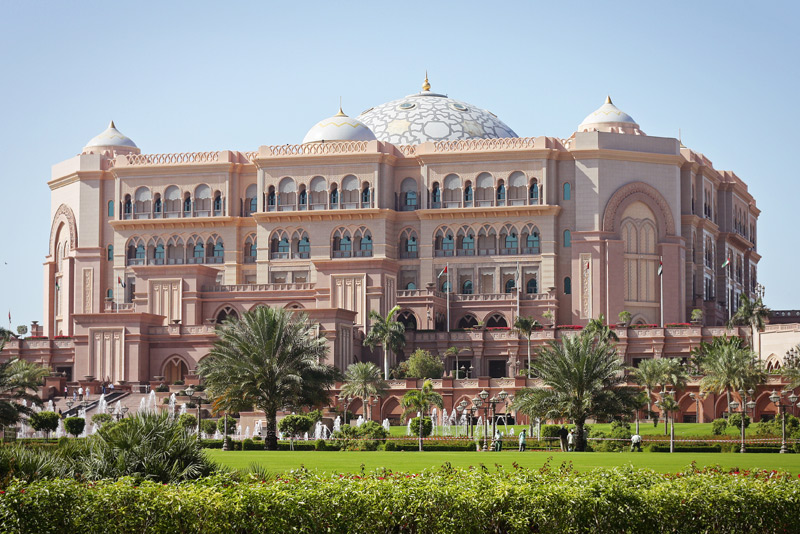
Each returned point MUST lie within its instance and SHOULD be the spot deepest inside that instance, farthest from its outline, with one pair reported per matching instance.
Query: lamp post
(777, 400)
(190, 392)
(124, 411)
(346, 400)
(503, 395)
(697, 397)
(70, 402)
(734, 405)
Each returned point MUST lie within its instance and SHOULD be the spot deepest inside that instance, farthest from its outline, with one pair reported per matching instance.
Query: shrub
(74, 425)
(427, 427)
(162, 388)
(249, 445)
(295, 425)
(718, 426)
(550, 431)
(320, 445)
(101, 418)
(423, 364)
(46, 422)
(315, 415)
(208, 426)
(178, 383)
(231, 424)
(187, 421)
(735, 420)
(546, 500)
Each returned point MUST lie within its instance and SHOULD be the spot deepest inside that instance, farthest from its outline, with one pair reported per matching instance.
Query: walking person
(498, 441)
(80, 393)
(66, 391)
(522, 441)
(571, 441)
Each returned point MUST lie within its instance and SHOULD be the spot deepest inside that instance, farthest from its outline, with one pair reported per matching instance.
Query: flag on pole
(444, 271)
(120, 282)
(57, 286)
(660, 267)
(727, 262)
(9, 316)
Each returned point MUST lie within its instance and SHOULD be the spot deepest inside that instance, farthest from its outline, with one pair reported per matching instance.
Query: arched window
(250, 249)
(225, 313)
(408, 195)
(534, 193)
(448, 244)
(283, 247)
(436, 195)
(567, 191)
(303, 198)
(484, 192)
(158, 206)
(187, 205)
(567, 286)
(287, 194)
(532, 242)
(110, 294)
(411, 285)
(567, 238)
(202, 201)
(501, 194)
(532, 286)
(334, 197)
(467, 247)
(142, 199)
(319, 193)
(304, 247)
(218, 204)
(497, 320)
(199, 251)
(366, 244)
(511, 242)
(466, 287)
(110, 208)
(342, 244)
(127, 207)
(250, 200)
(349, 196)
(365, 197)
(408, 320)
(140, 253)
(110, 253)
(272, 199)
(159, 254)
(516, 189)
(219, 250)
(468, 321)
(172, 202)
(445, 287)
(468, 193)
(510, 285)
(452, 191)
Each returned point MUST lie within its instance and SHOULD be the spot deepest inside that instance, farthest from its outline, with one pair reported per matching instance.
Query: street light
(346, 400)
(734, 405)
(697, 398)
(70, 402)
(777, 400)
(503, 395)
(190, 392)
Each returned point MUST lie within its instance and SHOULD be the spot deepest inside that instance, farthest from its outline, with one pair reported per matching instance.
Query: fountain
(306, 437)
(60, 429)
(434, 414)
(172, 399)
(151, 402)
(246, 432)
(408, 428)
(321, 431)
(337, 423)
(142, 406)
(360, 420)
(102, 405)
(50, 406)
(386, 425)
(118, 409)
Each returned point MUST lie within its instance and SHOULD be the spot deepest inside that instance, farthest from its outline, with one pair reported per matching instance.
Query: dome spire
(111, 125)
(341, 113)
(608, 100)
(426, 86)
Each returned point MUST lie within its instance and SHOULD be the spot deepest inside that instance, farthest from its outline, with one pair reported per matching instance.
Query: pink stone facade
(577, 227)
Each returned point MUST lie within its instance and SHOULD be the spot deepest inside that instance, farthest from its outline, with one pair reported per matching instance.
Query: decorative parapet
(314, 149)
(502, 382)
(246, 288)
(407, 150)
(179, 158)
(189, 330)
(483, 297)
(485, 145)
(396, 384)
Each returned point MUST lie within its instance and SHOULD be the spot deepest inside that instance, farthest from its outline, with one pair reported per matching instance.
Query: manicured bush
(320, 445)
(74, 425)
(249, 445)
(231, 424)
(44, 422)
(162, 388)
(550, 431)
(427, 427)
(101, 418)
(444, 500)
(208, 426)
(735, 420)
(718, 426)
(187, 421)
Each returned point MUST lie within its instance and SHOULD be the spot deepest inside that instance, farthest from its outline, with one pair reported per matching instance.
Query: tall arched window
(250, 200)
(534, 193)
(110, 208)
(218, 204)
(466, 287)
(532, 242)
(408, 195)
(445, 287)
(127, 207)
(202, 201)
(110, 253)
(468, 193)
(219, 250)
(501, 194)
(304, 247)
(110, 294)
(532, 286)
(567, 191)
(567, 286)
(158, 206)
(187, 205)
(567, 238)
(511, 242)
(158, 254)
(302, 199)
(436, 195)
(172, 202)
(199, 251)
(365, 197)
(334, 197)
(366, 244)
(638, 232)
(510, 285)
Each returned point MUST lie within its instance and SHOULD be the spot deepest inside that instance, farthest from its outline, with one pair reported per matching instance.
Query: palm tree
(363, 380)
(752, 313)
(584, 378)
(421, 400)
(387, 333)
(672, 374)
(730, 367)
(19, 381)
(599, 328)
(271, 358)
(526, 326)
(454, 352)
(649, 374)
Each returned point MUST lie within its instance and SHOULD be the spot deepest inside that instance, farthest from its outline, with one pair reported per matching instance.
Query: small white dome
(340, 127)
(609, 116)
(111, 137)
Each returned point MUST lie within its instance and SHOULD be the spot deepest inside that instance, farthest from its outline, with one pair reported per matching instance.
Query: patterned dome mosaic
(428, 116)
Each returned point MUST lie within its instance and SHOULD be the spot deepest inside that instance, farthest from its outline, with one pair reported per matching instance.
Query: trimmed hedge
(445, 500)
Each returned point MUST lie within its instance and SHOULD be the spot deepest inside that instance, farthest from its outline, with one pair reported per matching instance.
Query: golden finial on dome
(608, 100)
(111, 125)
(341, 113)
(426, 86)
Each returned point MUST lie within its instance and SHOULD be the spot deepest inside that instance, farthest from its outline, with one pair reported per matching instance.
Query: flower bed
(569, 327)
(643, 326)
(444, 500)
(678, 325)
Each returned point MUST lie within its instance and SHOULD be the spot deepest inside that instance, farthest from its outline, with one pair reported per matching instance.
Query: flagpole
(518, 284)
(661, 298)
(447, 272)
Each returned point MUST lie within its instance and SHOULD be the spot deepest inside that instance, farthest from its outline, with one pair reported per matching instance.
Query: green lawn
(645, 429)
(346, 462)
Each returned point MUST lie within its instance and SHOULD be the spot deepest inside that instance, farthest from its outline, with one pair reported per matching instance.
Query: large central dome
(428, 116)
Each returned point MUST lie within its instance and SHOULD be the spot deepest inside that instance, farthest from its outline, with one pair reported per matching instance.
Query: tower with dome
(426, 202)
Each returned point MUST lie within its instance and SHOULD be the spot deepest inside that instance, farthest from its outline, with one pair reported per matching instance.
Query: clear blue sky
(194, 76)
